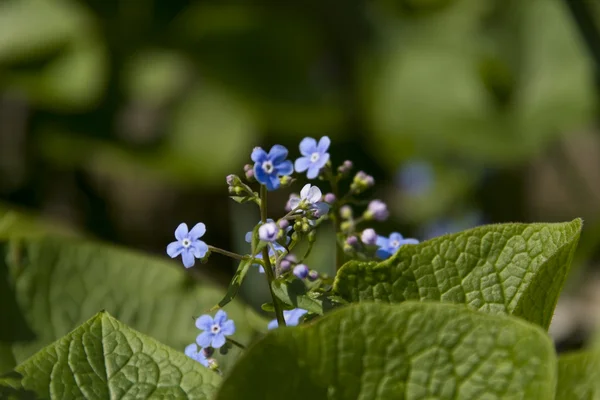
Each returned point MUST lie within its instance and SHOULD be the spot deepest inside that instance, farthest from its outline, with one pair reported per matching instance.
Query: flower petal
(204, 322)
(273, 324)
(322, 208)
(272, 183)
(313, 171)
(258, 155)
(314, 195)
(395, 236)
(200, 249)
(308, 146)
(382, 253)
(322, 160)
(228, 327)
(382, 241)
(294, 316)
(191, 350)
(174, 249)
(204, 339)
(248, 237)
(220, 317)
(188, 258)
(197, 231)
(302, 164)
(305, 190)
(261, 176)
(181, 232)
(284, 168)
(294, 203)
(324, 143)
(218, 340)
(277, 154)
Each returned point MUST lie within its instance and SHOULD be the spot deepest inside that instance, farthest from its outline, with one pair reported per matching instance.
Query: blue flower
(277, 246)
(291, 317)
(301, 271)
(389, 246)
(215, 329)
(192, 352)
(188, 244)
(315, 156)
(310, 199)
(268, 232)
(268, 167)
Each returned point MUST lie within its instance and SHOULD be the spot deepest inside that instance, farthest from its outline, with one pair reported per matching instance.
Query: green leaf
(59, 282)
(415, 350)
(103, 358)
(235, 284)
(578, 376)
(514, 269)
(297, 295)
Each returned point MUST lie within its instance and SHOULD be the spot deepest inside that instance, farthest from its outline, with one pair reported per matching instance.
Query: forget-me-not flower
(291, 317)
(188, 244)
(192, 352)
(388, 246)
(315, 156)
(277, 246)
(268, 167)
(310, 198)
(268, 232)
(215, 329)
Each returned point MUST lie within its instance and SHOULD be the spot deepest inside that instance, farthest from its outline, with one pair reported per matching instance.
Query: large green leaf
(58, 283)
(103, 358)
(579, 376)
(410, 351)
(514, 269)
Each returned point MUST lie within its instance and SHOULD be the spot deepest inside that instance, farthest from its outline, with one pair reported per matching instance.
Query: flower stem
(236, 343)
(265, 251)
(226, 253)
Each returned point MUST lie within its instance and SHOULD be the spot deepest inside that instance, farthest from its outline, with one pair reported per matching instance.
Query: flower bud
(345, 167)
(283, 223)
(313, 275)
(301, 271)
(233, 180)
(268, 232)
(376, 210)
(346, 212)
(369, 237)
(352, 241)
(250, 175)
(329, 198)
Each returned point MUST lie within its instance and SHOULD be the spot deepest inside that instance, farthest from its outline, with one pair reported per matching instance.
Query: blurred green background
(121, 119)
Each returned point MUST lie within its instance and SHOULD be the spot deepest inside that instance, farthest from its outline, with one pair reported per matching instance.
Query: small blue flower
(215, 329)
(268, 232)
(192, 352)
(277, 246)
(188, 244)
(291, 317)
(310, 200)
(268, 167)
(301, 271)
(389, 246)
(315, 156)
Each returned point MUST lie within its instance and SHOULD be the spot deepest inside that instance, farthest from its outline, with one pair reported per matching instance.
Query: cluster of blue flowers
(272, 240)
(213, 337)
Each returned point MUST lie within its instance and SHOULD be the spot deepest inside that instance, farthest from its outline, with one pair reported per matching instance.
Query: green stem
(265, 251)
(236, 343)
(226, 253)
